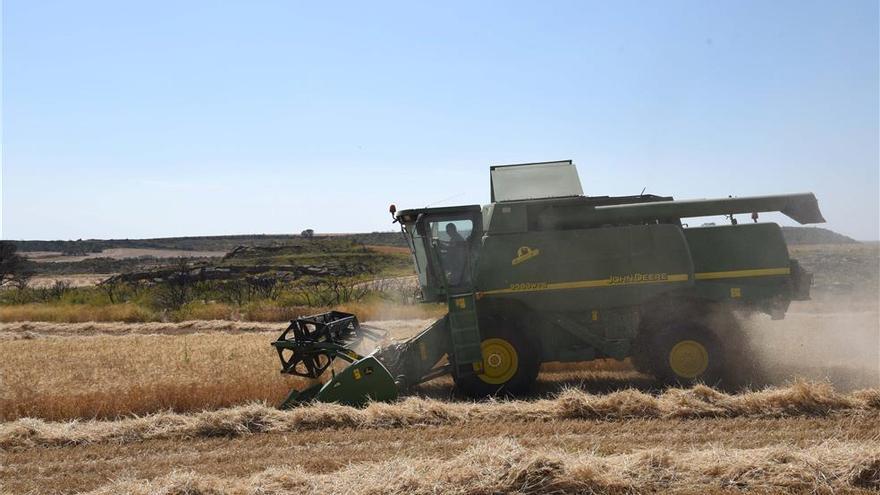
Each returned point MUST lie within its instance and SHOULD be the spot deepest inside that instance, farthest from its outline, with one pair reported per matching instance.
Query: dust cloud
(833, 339)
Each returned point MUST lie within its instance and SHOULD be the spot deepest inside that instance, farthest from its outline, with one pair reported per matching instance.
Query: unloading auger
(544, 273)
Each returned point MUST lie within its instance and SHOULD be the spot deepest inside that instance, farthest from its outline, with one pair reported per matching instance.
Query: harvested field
(509, 467)
(413, 447)
(186, 408)
(105, 370)
(799, 399)
(593, 432)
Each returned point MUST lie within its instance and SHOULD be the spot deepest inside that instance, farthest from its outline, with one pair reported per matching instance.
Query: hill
(814, 235)
(226, 243)
(199, 243)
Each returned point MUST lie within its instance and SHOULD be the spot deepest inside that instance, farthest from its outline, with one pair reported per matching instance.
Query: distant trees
(308, 233)
(330, 290)
(13, 267)
(175, 290)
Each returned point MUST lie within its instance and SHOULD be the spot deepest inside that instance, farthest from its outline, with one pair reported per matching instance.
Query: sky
(156, 119)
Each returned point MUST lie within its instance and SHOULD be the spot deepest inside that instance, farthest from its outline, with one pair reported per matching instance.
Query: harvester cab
(544, 273)
(445, 245)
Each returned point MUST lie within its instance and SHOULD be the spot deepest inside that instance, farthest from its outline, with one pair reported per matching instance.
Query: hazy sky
(151, 118)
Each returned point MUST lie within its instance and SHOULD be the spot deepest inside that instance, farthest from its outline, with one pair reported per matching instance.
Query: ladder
(465, 334)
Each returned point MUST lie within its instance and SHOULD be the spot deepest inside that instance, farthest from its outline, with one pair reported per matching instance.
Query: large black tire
(510, 364)
(642, 353)
(685, 354)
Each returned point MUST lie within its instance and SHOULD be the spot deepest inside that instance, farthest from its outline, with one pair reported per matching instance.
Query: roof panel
(535, 181)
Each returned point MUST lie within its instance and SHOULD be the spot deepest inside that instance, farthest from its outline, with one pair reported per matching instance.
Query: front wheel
(510, 364)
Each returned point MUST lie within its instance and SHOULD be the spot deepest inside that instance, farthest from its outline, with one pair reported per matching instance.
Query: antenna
(443, 200)
(643, 191)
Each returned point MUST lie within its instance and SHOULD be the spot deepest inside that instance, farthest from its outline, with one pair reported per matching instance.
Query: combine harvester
(544, 273)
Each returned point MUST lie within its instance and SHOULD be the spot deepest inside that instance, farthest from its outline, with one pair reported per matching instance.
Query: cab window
(453, 240)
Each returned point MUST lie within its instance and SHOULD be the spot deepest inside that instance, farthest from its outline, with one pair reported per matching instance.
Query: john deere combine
(544, 273)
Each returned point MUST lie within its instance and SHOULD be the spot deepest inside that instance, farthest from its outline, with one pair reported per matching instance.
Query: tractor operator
(456, 256)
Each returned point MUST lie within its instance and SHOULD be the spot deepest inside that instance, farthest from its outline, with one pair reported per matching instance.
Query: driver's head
(450, 228)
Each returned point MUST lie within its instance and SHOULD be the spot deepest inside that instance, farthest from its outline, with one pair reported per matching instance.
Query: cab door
(452, 242)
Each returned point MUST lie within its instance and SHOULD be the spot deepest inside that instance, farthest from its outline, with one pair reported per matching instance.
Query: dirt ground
(76, 280)
(122, 253)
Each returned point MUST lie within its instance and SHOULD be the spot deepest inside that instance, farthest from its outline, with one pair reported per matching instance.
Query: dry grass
(389, 249)
(212, 311)
(74, 313)
(105, 370)
(507, 466)
(325, 452)
(267, 312)
(107, 376)
(799, 399)
(40, 329)
(611, 365)
(25, 330)
(382, 311)
(373, 310)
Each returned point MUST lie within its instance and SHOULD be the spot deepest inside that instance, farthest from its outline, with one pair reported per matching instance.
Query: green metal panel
(581, 270)
(508, 218)
(363, 381)
(740, 263)
(609, 331)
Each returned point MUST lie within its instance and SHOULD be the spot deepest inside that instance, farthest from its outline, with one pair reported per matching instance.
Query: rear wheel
(686, 354)
(510, 363)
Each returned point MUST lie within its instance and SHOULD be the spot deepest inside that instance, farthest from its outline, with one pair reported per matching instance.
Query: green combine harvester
(544, 274)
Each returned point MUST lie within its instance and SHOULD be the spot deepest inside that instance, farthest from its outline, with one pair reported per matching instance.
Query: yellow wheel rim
(688, 359)
(499, 361)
